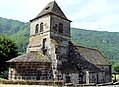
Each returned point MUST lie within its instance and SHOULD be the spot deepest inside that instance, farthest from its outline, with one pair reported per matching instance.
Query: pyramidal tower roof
(51, 8)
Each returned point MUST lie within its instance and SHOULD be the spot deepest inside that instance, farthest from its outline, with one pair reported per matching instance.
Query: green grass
(1, 78)
(117, 77)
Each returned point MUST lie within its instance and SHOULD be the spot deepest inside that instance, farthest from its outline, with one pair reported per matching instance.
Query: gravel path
(9, 85)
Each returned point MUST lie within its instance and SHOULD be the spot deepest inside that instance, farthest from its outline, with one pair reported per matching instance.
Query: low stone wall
(45, 83)
(80, 85)
(90, 85)
(10, 85)
(31, 82)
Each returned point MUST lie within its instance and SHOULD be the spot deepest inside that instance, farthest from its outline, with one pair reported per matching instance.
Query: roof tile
(31, 57)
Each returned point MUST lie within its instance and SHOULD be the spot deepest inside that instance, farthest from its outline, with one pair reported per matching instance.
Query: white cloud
(88, 14)
(97, 15)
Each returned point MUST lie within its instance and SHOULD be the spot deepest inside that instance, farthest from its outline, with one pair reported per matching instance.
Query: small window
(41, 27)
(47, 8)
(60, 28)
(44, 43)
(36, 29)
(56, 50)
(55, 72)
(55, 27)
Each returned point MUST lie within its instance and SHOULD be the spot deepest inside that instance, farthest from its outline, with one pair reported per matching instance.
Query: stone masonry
(52, 56)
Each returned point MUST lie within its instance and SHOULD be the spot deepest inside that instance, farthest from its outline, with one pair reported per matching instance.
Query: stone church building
(52, 56)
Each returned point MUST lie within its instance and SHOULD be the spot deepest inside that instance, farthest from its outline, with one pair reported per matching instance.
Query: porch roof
(33, 56)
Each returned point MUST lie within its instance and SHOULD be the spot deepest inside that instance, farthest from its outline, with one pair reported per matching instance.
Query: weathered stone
(52, 56)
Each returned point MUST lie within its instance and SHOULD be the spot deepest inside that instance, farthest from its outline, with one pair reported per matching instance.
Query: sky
(101, 15)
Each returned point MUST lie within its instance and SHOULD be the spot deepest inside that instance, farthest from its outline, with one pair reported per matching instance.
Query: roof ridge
(87, 47)
(53, 4)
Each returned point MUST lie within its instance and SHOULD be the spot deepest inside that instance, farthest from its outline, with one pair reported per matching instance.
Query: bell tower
(50, 34)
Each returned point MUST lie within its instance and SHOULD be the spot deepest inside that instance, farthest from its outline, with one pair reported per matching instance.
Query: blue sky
(101, 15)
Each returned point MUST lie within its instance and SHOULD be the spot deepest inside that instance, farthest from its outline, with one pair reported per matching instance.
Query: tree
(8, 50)
(116, 67)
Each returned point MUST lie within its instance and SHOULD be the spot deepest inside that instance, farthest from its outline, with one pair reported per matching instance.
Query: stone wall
(46, 24)
(101, 76)
(36, 39)
(29, 71)
(55, 25)
(106, 73)
(61, 39)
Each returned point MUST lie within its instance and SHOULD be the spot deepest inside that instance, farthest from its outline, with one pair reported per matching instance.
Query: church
(52, 56)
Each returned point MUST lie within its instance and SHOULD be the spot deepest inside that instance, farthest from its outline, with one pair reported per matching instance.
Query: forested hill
(18, 30)
(106, 42)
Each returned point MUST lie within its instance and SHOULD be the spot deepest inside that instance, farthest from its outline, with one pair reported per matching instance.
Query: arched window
(36, 28)
(60, 28)
(41, 27)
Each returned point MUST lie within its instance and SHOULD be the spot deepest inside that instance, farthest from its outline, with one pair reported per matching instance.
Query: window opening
(36, 29)
(41, 27)
(60, 28)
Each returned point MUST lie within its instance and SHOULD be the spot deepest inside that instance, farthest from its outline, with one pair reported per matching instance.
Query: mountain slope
(9, 26)
(16, 29)
(106, 42)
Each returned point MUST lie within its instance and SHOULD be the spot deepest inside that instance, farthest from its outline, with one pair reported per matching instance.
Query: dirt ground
(9, 85)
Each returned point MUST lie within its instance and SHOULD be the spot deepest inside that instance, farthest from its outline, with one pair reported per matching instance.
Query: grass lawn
(1, 78)
(117, 77)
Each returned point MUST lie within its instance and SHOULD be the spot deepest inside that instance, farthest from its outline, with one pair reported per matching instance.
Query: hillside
(16, 29)
(106, 42)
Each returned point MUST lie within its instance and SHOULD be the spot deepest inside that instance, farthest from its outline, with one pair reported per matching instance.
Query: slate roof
(88, 58)
(31, 57)
(51, 8)
(93, 56)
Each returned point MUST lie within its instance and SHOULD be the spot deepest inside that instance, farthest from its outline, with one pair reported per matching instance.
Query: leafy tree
(8, 50)
(116, 67)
